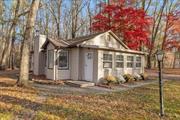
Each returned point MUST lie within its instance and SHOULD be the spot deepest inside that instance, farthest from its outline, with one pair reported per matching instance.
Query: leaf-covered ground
(136, 104)
(165, 71)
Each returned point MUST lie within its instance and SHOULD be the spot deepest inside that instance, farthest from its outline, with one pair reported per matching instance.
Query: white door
(88, 66)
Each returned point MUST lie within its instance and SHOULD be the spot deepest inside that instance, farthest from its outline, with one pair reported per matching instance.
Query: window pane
(107, 60)
(138, 59)
(119, 64)
(130, 65)
(63, 59)
(50, 59)
(138, 64)
(107, 57)
(129, 58)
(119, 57)
(107, 64)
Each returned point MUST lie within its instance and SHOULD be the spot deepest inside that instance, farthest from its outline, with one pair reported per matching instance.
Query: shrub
(120, 79)
(129, 77)
(137, 77)
(110, 79)
(144, 76)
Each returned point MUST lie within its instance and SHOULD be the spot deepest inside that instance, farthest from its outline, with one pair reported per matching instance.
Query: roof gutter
(113, 49)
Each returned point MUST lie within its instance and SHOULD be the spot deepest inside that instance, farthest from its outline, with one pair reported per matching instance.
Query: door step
(80, 83)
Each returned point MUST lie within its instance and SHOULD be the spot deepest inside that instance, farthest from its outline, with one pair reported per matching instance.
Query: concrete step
(80, 83)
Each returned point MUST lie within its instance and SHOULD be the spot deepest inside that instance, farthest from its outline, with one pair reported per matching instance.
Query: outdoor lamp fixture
(160, 56)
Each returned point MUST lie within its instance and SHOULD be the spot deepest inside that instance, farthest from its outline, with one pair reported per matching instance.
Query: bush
(137, 77)
(120, 79)
(110, 79)
(129, 77)
(144, 76)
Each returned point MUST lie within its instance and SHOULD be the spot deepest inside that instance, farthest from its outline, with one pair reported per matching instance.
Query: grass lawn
(137, 104)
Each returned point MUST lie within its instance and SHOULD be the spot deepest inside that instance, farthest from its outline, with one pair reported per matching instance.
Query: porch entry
(88, 66)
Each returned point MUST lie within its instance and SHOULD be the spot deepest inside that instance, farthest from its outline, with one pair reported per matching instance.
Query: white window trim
(119, 61)
(108, 61)
(138, 61)
(48, 62)
(67, 67)
(128, 61)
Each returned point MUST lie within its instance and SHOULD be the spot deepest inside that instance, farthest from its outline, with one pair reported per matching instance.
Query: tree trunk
(149, 66)
(174, 61)
(8, 45)
(155, 31)
(11, 58)
(28, 35)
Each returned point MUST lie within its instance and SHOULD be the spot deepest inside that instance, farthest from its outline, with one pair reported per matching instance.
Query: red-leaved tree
(129, 23)
(172, 32)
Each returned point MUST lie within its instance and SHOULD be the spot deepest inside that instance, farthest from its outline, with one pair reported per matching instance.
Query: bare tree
(76, 8)
(55, 8)
(28, 35)
(9, 40)
(155, 27)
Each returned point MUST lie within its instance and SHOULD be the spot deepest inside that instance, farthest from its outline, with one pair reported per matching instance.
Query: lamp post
(160, 55)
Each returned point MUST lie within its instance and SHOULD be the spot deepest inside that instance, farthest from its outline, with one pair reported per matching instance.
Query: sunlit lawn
(140, 103)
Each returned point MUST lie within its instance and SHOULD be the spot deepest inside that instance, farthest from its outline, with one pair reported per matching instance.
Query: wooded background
(20, 20)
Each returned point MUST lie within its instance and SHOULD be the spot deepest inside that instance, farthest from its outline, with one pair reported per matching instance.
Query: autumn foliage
(131, 24)
(173, 30)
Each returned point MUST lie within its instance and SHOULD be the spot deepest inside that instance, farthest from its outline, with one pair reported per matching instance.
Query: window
(138, 61)
(119, 61)
(50, 59)
(130, 60)
(107, 60)
(63, 60)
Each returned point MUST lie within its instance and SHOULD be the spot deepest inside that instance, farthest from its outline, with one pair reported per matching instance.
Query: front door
(88, 66)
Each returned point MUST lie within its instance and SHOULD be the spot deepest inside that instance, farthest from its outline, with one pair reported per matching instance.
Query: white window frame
(138, 62)
(130, 61)
(50, 59)
(67, 64)
(108, 60)
(121, 61)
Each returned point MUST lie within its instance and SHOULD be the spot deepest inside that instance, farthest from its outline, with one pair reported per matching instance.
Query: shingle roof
(74, 42)
(69, 42)
(56, 43)
(78, 40)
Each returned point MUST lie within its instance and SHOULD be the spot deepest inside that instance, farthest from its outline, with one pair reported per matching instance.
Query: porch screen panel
(119, 61)
(63, 60)
(138, 61)
(50, 59)
(130, 60)
(107, 60)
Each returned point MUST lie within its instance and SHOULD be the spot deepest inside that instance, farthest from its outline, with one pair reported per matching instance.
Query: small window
(138, 61)
(107, 60)
(130, 60)
(50, 59)
(63, 60)
(119, 61)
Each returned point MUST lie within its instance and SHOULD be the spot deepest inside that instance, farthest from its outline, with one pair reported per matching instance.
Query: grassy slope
(140, 103)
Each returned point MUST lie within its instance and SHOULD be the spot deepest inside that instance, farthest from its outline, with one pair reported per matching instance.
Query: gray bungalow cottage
(88, 58)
